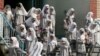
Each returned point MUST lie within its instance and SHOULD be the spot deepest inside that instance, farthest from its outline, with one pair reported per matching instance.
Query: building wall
(93, 7)
(1, 4)
(98, 8)
(81, 9)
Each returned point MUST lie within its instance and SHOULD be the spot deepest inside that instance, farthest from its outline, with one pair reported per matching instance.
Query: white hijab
(21, 11)
(24, 31)
(33, 35)
(89, 16)
(46, 6)
(53, 19)
(95, 32)
(52, 43)
(71, 17)
(82, 36)
(69, 11)
(66, 41)
(15, 42)
(65, 48)
(54, 12)
(8, 12)
(31, 12)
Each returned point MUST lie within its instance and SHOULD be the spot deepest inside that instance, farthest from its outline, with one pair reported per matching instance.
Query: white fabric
(48, 29)
(31, 11)
(20, 13)
(29, 22)
(35, 24)
(23, 33)
(52, 44)
(66, 25)
(81, 47)
(71, 17)
(53, 12)
(64, 49)
(71, 26)
(9, 15)
(40, 49)
(15, 42)
(32, 36)
(37, 49)
(89, 17)
(53, 18)
(45, 15)
(32, 39)
(29, 38)
(33, 49)
(69, 11)
(81, 42)
(96, 33)
(74, 34)
(93, 33)
(45, 6)
(44, 20)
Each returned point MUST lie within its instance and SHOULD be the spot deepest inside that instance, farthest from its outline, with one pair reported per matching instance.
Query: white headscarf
(24, 31)
(8, 12)
(46, 6)
(37, 10)
(15, 42)
(66, 41)
(53, 12)
(21, 10)
(89, 16)
(31, 12)
(52, 43)
(69, 11)
(54, 36)
(33, 33)
(65, 47)
(53, 17)
(82, 29)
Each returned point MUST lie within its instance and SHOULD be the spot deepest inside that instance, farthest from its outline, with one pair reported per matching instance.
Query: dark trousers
(51, 54)
(73, 44)
(89, 48)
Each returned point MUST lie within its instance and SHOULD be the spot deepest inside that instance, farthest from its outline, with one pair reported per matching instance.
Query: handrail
(8, 23)
(4, 41)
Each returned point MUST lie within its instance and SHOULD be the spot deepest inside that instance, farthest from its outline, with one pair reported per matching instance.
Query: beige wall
(98, 8)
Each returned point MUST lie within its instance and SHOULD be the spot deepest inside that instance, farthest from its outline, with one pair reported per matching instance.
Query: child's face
(46, 9)
(62, 42)
(21, 28)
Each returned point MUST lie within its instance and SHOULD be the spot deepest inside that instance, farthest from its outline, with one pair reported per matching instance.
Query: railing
(9, 26)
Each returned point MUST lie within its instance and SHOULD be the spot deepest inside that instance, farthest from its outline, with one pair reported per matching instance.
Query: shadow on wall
(81, 8)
